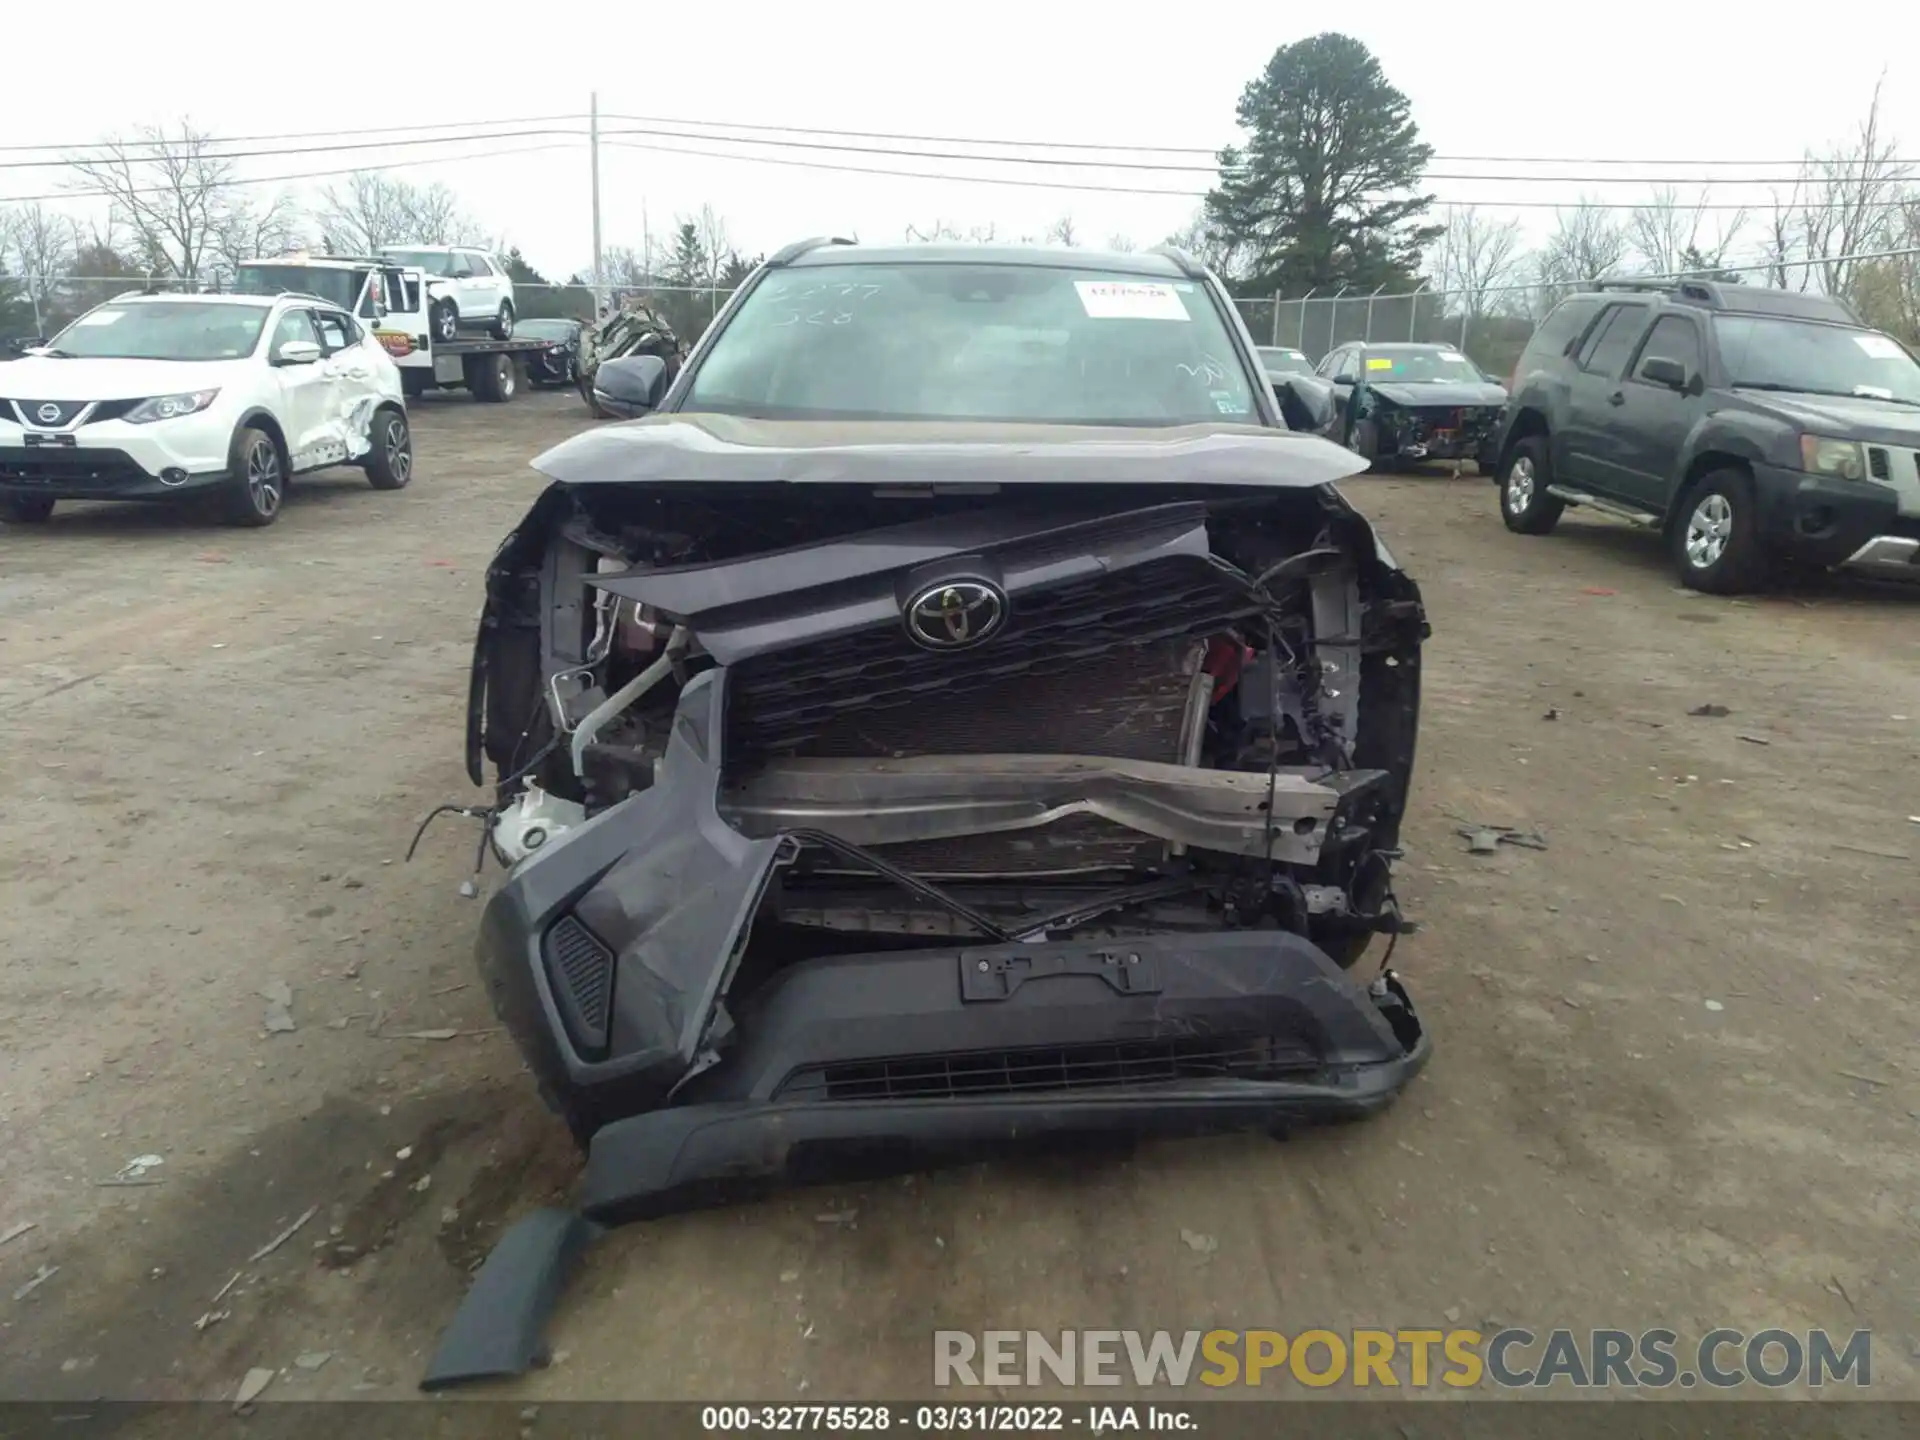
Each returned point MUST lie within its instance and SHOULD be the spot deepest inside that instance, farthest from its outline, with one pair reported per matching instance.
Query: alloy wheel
(1709, 529)
(265, 489)
(1520, 485)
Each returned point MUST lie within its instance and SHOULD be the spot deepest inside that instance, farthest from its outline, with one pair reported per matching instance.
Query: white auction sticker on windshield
(1454, 359)
(1879, 346)
(100, 317)
(1113, 300)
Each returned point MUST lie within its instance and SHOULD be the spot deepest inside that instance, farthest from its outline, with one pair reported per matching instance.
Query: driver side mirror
(1306, 403)
(1347, 377)
(297, 352)
(631, 384)
(1660, 370)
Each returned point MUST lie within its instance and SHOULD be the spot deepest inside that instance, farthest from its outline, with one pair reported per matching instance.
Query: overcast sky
(1492, 79)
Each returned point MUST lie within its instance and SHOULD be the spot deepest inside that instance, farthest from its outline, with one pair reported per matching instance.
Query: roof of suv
(1736, 299)
(1158, 263)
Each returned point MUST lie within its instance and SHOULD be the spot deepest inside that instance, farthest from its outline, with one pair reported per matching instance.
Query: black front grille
(1048, 681)
(1100, 1065)
(31, 417)
(60, 466)
(580, 968)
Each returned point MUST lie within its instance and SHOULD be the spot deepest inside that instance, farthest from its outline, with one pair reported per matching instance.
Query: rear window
(1557, 331)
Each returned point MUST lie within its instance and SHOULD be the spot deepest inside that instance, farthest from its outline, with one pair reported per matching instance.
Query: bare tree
(1477, 255)
(40, 244)
(1123, 243)
(946, 230)
(1851, 202)
(374, 209)
(1587, 243)
(250, 231)
(1062, 232)
(1668, 232)
(172, 189)
(1213, 247)
(716, 243)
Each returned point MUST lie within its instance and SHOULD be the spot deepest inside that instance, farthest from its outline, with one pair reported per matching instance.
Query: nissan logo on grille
(955, 614)
(50, 413)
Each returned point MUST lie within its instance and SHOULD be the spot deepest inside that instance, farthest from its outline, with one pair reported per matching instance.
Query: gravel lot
(1675, 1080)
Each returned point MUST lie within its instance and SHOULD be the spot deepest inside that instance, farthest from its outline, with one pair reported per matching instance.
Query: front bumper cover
(1218, 994)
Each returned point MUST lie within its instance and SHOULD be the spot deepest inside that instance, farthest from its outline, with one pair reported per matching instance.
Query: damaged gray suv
(959, 712)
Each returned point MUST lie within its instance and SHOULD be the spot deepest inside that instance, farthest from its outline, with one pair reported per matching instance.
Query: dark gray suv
(1756, 429)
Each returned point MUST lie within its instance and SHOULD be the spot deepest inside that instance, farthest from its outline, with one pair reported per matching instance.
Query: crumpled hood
(38, 377)
(1426, 393)
(733, 449)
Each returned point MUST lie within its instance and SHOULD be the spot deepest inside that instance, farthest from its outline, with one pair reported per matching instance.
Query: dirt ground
(1674, 1083)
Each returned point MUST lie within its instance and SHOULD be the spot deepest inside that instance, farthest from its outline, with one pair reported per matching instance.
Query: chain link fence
(1493, 324)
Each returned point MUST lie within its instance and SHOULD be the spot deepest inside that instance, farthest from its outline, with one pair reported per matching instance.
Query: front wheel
(1525, 504)
(26, 510)
(1716, 544)
(390, 462)
(258, 486)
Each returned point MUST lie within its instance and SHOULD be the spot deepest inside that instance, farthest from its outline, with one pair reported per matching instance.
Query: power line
(283, 179)
(1195, 149)
(164, 141)
(211, 156)
(1191, 169)
(1490, 204)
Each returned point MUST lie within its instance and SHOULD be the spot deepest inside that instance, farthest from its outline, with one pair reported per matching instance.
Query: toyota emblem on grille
(48, 413)
(955, 614)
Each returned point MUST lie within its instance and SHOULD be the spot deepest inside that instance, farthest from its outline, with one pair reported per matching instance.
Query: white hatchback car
(223, 397)
(465, 287)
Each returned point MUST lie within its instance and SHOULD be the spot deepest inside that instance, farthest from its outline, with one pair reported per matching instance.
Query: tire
(446, 321)
(503, 322)
(26, 510)
(258, 488)
(1524, 476)
(1716, 542)
(493, 378)
(390, 462)
(412, 384)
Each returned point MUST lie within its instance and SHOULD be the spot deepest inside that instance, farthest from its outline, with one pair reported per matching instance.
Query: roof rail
(787, 254)
(1189, 266)
(1687, 288)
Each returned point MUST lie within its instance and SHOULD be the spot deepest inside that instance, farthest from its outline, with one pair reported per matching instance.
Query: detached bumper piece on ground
(997, 792)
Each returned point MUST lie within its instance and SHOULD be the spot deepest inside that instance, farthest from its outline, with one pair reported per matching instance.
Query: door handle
(1618, 397)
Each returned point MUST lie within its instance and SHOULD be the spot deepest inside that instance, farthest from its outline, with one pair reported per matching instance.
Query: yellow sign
(1380, 364)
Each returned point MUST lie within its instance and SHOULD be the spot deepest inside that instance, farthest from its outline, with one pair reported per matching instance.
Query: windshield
(164, 330)
(958, 341)
(1773, 354)
(342, 287)
(434, 262)
(546, 329)
(1285, 362)
(1420, 364)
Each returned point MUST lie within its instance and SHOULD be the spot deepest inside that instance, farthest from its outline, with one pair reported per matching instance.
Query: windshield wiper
(53, 354)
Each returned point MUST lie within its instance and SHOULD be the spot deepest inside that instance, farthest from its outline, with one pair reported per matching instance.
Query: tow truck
(391, 299)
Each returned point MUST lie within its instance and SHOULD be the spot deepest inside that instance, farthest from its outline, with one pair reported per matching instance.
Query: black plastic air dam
(1331, 1050)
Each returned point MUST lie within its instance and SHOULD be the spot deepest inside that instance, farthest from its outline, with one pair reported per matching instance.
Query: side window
(294, 325)
(1613, 339)
(1568, 319)
(1673, 337)
(478, 263)
(337, 331)
(1330, 366)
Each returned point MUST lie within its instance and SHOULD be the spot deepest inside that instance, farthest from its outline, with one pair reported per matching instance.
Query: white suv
(465, 286)
(225, 397)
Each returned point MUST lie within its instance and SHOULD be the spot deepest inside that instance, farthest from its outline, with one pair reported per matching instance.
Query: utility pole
(593, 148)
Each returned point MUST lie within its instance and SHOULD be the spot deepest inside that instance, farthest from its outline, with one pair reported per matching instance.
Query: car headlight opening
(170, 407)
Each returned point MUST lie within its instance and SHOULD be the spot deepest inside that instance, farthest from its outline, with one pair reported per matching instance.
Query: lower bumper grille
(580, 969)
(70, 468)
(1052, 1068)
